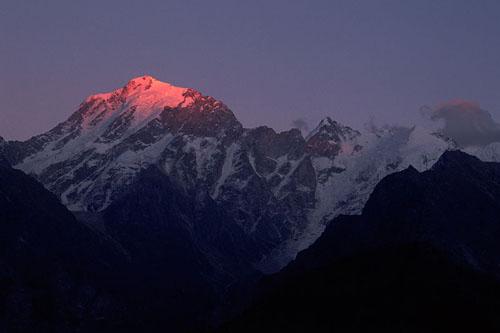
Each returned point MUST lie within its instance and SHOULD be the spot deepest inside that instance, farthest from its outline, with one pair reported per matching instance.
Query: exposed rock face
(331, 138)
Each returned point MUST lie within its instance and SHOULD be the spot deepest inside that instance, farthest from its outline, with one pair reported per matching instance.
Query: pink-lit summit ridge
(146, 96)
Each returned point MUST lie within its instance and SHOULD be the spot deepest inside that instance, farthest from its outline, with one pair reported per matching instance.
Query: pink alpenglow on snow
(143, 97)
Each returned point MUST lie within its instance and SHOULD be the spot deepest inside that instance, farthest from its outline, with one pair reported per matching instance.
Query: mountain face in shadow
(423, 256)
(186, 253)
(156, 260)
(56, 274)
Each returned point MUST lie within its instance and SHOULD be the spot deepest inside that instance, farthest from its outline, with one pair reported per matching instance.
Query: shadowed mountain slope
(423, 256)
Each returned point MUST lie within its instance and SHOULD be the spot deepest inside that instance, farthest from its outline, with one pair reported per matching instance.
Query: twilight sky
(271, 62)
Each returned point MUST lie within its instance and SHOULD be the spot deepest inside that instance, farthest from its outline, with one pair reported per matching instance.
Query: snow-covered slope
(348, 164)
(281, 188)
(89, 158)
(488, 153)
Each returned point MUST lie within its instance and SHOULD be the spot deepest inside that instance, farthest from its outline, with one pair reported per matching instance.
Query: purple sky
(271, 62)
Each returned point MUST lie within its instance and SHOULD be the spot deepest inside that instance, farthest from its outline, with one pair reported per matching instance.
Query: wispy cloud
(301, 124)
(466, 123)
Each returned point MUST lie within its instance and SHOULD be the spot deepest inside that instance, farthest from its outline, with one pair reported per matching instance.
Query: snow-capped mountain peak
(281, 188)
(137, 86)
(332, 128)
(145, 89)
(89, 157)
(140, 100)
(330, 138)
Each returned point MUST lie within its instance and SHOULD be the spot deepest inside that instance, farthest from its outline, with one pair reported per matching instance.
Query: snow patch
(227, 168)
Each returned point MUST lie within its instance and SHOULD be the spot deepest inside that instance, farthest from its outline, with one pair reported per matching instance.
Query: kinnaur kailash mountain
(314, 192)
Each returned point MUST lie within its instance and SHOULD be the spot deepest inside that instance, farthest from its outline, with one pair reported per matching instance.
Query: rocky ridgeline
(280, 188)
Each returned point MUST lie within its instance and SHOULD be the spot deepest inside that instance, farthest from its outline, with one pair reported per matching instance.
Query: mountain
(423, 256)
(187, 253)
(180, 209)
(56, 274)
(155, 259)
(280, 188)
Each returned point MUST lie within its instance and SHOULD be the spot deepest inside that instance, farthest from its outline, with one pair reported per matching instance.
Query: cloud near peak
(301, 124)
(466, 123)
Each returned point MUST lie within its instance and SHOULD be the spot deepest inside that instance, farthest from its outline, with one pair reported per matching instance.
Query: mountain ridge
(422, 256)
(281, 188)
